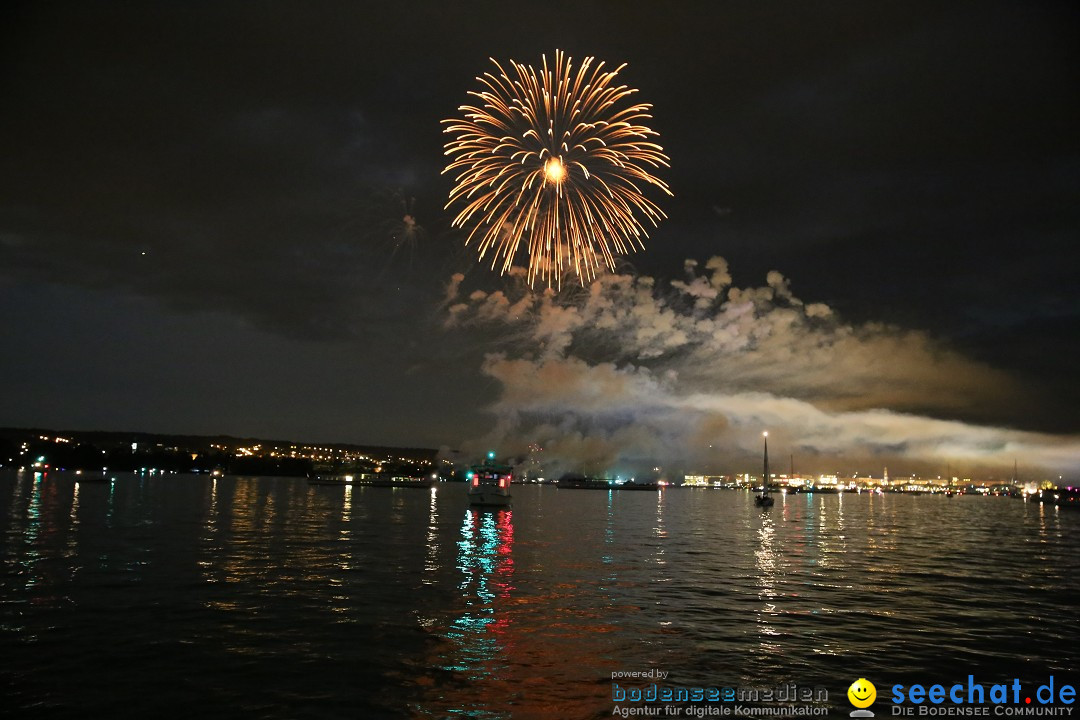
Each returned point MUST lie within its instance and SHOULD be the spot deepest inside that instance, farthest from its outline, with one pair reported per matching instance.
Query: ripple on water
(279, 599)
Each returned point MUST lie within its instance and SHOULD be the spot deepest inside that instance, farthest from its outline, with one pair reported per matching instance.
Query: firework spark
(557, 160)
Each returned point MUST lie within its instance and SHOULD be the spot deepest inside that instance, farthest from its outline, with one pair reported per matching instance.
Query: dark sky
(198, 201)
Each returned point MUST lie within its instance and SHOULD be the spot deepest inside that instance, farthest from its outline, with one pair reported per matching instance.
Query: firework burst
(557, 161)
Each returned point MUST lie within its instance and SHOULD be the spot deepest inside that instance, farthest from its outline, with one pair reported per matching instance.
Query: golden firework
(557, 160)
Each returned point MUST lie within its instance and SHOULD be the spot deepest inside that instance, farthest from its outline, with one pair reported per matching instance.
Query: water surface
(270, 598)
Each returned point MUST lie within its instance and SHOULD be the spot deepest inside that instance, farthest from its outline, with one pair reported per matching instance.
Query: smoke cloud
(632, 374)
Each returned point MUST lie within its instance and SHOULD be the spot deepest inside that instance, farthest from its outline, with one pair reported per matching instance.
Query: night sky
(201, 204)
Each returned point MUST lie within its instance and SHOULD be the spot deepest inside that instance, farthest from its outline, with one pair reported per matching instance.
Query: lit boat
(489, 484)
(420, 483)
(329, 479)
(764, 499)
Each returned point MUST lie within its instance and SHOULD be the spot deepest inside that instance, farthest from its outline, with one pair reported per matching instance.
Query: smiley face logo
(862, 693)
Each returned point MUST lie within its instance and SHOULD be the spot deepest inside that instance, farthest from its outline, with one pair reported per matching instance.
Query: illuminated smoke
(628, 373)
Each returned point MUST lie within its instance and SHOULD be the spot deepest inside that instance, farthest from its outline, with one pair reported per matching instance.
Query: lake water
(270, 598)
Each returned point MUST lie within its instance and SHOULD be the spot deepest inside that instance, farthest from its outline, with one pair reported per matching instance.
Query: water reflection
(767, 565)
(769, 642)
(475, 655)
(387, 601)
(41, 547)
(539, 644)
(609, 536)
(208, 540)
(31, 555)
(346, 560)
(832, 539)
(346, 511)
(340, 599)
(111, 504)
(431, 557)
(660, 531)
(73, 531)
(486, 565)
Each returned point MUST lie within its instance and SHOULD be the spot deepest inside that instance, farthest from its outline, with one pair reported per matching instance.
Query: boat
(764, 499)
(571, 481)
(635, 485)
(367, 480)
(329, 479)
(580, 482)
(489, 484)
(399, 482)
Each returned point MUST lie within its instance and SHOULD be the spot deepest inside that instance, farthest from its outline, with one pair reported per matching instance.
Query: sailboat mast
(765, 483)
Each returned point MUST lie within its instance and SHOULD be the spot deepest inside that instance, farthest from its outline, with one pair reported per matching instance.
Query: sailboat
(765, 499)
(793, 488)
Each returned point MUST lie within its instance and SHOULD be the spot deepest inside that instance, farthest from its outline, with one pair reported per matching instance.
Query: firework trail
(558, 160)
